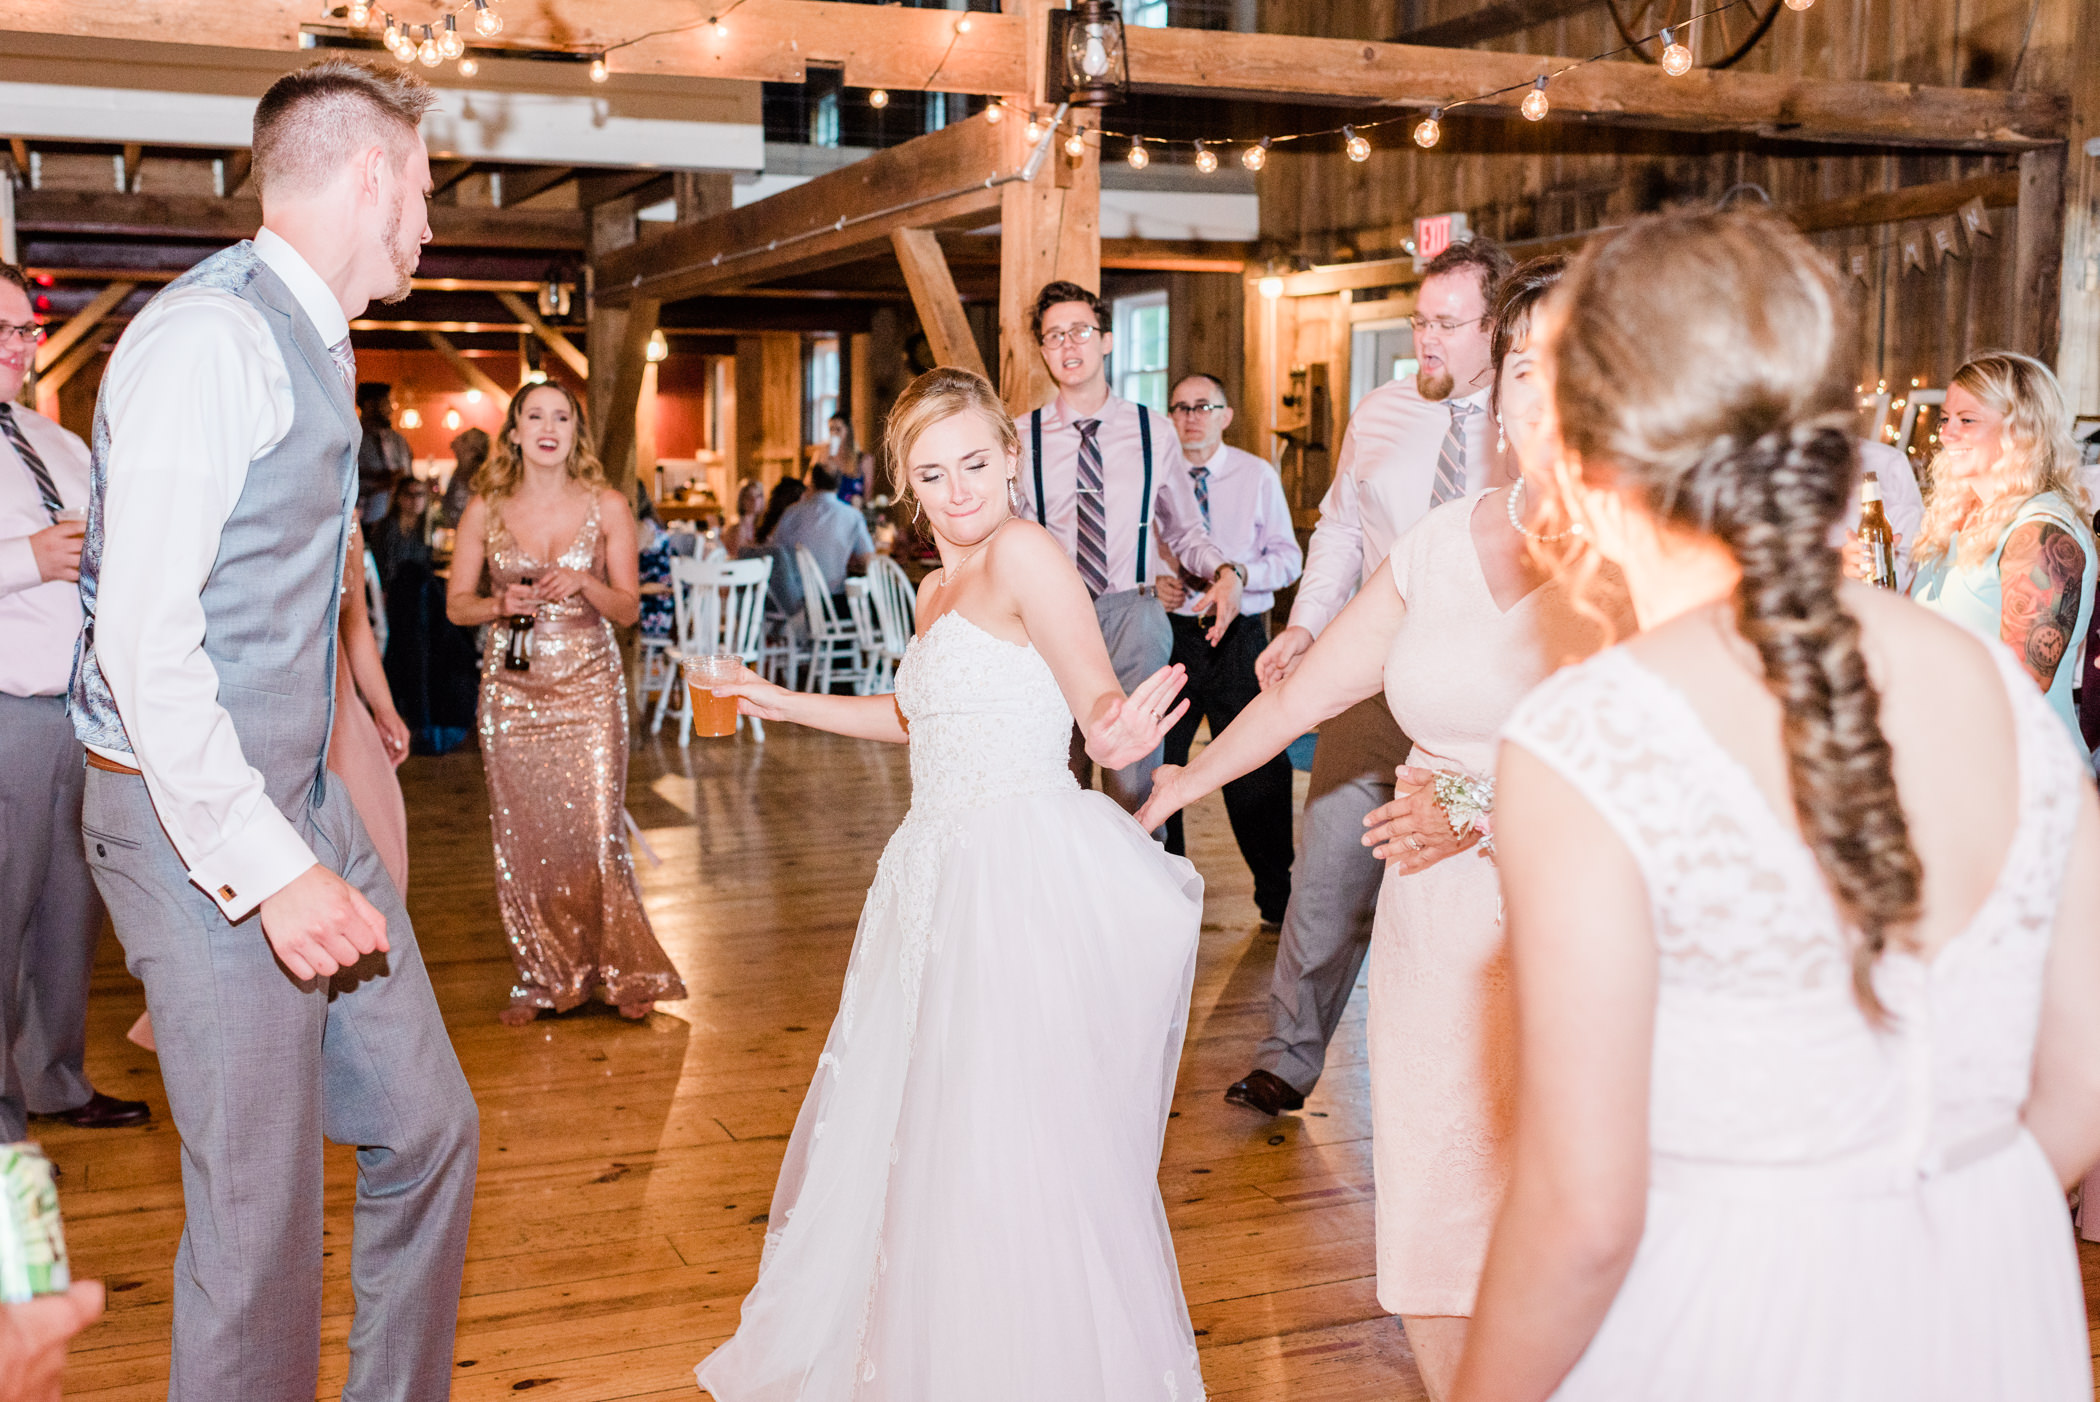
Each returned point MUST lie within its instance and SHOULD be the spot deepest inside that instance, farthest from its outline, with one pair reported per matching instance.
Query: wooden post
(619, 342)
(2078, 349)
(2038, 253)
(561, 345)
(933, 294)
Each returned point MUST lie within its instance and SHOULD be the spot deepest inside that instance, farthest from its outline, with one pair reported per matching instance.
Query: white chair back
(720, 605)
(895, 605)
(816, 594)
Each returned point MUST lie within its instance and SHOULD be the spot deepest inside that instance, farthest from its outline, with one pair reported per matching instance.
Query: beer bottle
(1875, 535)
(518, 658)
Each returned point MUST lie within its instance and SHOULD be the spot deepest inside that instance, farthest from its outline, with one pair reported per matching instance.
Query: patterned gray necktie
(1093, 513)
(346, 361)
(45, 487)
(1202, 478)
(1451, 458)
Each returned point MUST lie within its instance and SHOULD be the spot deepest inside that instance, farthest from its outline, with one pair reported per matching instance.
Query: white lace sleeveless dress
(1835, 1213)
(969, 1209)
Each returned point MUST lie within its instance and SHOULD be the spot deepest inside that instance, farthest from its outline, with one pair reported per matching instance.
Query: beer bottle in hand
(519, 656)
(1875, 535)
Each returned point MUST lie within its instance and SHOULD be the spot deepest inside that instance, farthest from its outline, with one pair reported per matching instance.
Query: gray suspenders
(1035, 439)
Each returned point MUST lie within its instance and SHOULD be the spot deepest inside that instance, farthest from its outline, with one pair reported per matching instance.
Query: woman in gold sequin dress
(559, 545)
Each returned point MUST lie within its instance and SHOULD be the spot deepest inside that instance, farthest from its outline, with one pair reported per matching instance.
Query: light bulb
(404, 46)
(468, 67)
(1270, 287)
(1034, 131)
(1093, 60)
(411, 418)
(721, 29)
(878, 97)
(386, 36)
(962, 26)
(1534, 104)
(1799, 4)
(1358, 147)
(1206, 159)
(659, 349)
(1677, 59)
(449, 42)
(487, 23)
(995, 112)
(359, 14)
(1075, 145)
(428, 51)
(1256, 156)
(473, 396)
(599, 72)
(452, 418)
(1430, 129)
(1139, 157)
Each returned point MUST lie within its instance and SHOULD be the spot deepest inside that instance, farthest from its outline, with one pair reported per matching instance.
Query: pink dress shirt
(39, 619)
(1251, 522)
(1173, 520)
(1382, 484)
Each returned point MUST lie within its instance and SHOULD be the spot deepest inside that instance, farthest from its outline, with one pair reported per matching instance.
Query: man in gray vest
(1107, 478)
(288, 996)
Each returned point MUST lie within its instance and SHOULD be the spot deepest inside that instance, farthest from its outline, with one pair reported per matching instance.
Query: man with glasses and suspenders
(1107, 477)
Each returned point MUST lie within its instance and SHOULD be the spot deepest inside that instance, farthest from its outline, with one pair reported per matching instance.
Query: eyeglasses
(1195, 408)
(29, 333)
(1442, 325)
(1077, 335)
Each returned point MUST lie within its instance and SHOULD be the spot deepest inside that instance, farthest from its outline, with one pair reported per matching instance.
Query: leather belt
(108, 765)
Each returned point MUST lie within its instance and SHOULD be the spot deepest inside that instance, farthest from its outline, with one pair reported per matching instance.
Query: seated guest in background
(384, 456)
(835, 534)
(786, 492)
(2005, 548)
(399, 537)
(1240, 498)
(469, 451)
(842, 453)
(742, 533)
(559, 545)
(50, 915)
(654, 547)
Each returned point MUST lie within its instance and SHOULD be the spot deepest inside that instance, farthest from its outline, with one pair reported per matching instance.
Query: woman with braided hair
(1808, 1018)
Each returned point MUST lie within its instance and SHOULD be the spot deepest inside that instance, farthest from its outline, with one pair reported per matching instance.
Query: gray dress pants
(49, 915)
(1140, 642)
(1334, 891)
(259, 1068)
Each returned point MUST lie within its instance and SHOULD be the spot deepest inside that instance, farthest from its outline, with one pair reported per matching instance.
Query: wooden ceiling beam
(933, 294)
(521, 183)
(202, 217)
(1493, 21)
(894, 47)
(561, 345)
(83, 321)
(1911, 202)
(445, 174)
(933, 181)
(238, 165)
(474, 375)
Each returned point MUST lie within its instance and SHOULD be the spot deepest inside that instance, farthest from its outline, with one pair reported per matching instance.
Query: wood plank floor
(626, 1169)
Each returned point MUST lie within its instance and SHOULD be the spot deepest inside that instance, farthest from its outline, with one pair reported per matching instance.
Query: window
(822, 387)
(1379, 351)
(936, 111)
(1147, 14)
(1139, 368)
(824, 120)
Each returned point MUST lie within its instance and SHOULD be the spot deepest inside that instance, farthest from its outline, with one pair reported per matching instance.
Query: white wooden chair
(894, 604)
(834, 642)
(719, 606)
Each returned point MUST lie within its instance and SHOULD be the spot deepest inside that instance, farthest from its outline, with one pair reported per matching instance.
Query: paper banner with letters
(1913, 241)
(1944, 238)
(1974, 221)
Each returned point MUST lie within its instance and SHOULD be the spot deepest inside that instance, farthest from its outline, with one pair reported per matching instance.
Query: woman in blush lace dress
(969, 1209)
(559, 545)
(1465, 618)
(1809, 1015)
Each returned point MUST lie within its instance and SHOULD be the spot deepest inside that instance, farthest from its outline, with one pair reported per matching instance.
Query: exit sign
(1436, 232)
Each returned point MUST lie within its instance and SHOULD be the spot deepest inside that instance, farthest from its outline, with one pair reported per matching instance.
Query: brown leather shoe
(1265, 1091)
(103, 1112)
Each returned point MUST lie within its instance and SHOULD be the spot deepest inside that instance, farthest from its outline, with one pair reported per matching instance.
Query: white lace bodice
(987, 720)
(1762, 1057)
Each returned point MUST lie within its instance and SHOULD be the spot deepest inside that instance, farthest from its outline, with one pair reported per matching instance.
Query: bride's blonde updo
(932, 398)
(1703, 366)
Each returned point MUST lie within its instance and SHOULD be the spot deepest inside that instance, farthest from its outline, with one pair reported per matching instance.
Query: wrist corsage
(1469, 806)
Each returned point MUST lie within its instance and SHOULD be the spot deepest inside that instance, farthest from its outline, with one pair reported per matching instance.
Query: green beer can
(32, 1239)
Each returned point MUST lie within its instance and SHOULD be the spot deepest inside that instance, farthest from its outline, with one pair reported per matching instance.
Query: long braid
(1774, 505)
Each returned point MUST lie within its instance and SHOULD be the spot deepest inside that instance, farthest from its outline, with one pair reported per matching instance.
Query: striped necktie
(1093, 513)
(346, 361)
(45, 487)
(1451, 458)
(1202, 480)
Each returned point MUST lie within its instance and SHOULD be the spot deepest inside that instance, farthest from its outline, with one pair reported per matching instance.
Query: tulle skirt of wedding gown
(969, 1209)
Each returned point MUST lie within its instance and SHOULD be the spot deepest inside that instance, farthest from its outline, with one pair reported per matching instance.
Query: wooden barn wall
(1517, 181)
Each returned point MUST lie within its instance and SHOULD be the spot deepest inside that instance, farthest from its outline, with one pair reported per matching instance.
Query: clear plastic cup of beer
(713, 715)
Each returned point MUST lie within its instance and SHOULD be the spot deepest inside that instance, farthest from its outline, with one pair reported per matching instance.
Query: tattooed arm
(2039, 575)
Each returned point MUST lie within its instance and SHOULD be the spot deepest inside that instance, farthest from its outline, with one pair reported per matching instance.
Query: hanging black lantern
(1087, 61)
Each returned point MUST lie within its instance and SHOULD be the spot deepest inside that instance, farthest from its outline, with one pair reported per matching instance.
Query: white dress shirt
(1176, 523)
(196, 391)
(1382, 485)
(1251, 522)
(39, 618)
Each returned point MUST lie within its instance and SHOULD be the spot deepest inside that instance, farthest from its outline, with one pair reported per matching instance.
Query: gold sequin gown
(554, 745)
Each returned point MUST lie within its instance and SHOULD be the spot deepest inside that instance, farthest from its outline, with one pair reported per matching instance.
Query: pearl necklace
(1516, 519)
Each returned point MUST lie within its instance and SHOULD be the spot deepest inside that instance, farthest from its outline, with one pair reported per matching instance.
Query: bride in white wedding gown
(969, 1209)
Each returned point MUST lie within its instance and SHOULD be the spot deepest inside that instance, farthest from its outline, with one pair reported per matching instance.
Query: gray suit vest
(271, 599)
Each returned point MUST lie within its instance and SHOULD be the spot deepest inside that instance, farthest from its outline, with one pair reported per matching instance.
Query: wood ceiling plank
(83, 321)
(203, 217)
